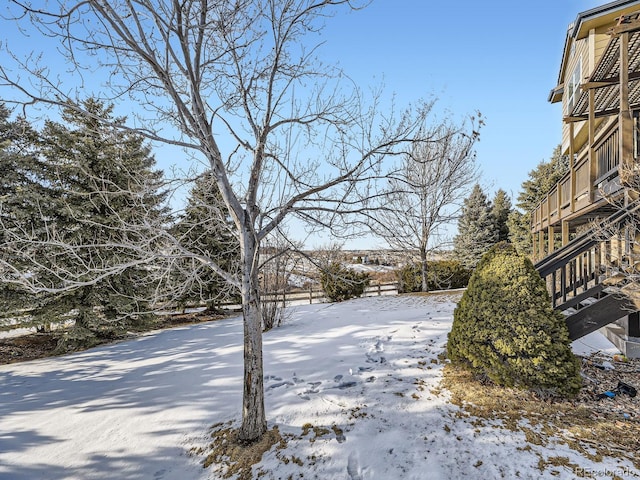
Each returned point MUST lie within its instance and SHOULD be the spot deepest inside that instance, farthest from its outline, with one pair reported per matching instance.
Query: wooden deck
(586, 192)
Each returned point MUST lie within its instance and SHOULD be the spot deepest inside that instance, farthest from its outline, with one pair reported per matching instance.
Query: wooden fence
(296, 297)
(316, 295)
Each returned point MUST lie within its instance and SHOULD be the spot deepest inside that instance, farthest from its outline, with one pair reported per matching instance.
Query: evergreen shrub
(505, 329)
(340, 283)
(441, 275)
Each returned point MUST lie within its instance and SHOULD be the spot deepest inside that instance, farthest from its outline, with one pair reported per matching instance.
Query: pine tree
(520, 231)
(505, 329)
(501, 208)
(102, 179)
(205, 229)
(541, 180)
(476, 229)
(21, 199)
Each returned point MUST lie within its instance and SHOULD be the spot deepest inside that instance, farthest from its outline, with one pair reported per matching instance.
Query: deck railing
(582, 180)
(608, 155)
(553, 203)
(556, 205)
(565, 191)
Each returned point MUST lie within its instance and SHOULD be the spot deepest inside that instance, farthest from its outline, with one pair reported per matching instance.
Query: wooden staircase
(593, 309)
(590, 294)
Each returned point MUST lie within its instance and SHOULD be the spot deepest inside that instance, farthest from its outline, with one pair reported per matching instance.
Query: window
(573, 87)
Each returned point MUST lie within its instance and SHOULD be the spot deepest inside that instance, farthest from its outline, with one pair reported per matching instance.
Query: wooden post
(541, 244)
(565, 232)
(625, 119)
(563, 271)
(310, 294)
(572, 170)
(551, 242)
(593, 162)
(619, 238)
(607, 256)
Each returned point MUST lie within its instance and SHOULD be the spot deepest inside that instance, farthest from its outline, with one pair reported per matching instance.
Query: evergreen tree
(505, 329)
(206, 230)
(22, 198)
(520, 231)
(476, 229)
(541, 180)
(500, 210)
(102, 180)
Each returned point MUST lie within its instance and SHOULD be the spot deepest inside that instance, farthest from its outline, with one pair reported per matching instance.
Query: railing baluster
(585, 272)
(596, 252)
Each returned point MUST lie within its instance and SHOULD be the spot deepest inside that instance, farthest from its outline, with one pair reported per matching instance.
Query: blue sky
(498, 57)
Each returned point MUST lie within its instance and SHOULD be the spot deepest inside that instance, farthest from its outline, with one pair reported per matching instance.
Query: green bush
(409, 278)
(340, 283)
(441, 275)
(504, 328)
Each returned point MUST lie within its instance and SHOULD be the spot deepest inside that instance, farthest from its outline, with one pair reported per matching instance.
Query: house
(584, 230)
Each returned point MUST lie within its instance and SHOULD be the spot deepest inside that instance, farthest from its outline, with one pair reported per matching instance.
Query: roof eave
(555, 95)
(583, 22)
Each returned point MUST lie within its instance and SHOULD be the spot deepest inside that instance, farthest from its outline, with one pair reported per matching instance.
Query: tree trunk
(254, 423)
(423, 271)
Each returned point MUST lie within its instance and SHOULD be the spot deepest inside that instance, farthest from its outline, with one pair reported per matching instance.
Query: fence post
(310, 294)
(379, 290)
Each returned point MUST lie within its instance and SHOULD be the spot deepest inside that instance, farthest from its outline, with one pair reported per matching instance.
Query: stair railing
(573, 266)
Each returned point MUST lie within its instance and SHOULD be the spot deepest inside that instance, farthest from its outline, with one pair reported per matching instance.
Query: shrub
(447, 274)
(340, 283)
(504, 328)
(409, 278)
(441, 275)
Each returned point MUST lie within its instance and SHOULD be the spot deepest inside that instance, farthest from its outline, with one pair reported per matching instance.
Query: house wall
(600, 40)
(580, 53)
(577, 192)
(588, 50)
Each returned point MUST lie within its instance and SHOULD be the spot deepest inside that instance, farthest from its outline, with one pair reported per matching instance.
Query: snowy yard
(353, 387)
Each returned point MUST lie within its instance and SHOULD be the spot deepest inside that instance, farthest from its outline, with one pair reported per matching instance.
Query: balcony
(585, 189)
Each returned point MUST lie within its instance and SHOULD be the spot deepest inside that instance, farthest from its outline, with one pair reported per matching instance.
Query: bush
(441, 275)
(504, 328)
(340, 283)
(409, 278)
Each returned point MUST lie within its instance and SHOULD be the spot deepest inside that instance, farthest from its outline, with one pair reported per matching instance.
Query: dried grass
(581, 425)
(237, 458)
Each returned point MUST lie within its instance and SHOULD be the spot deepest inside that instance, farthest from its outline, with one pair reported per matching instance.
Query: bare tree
(426, 192)
(278, 259)
(237, 83)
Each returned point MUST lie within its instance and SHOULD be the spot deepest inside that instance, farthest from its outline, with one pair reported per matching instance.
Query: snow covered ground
(364, 372)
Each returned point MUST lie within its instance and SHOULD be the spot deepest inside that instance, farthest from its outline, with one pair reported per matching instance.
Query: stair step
(575, 302)
(596, 315)
(588, 301)
(569, 311)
